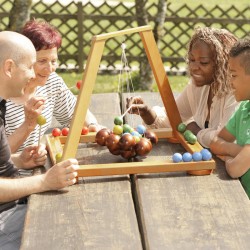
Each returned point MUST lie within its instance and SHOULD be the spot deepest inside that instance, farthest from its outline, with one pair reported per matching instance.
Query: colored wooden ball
(141, 129)
(115, 151)
(135, 133)
(118, 120)
(126, 128)
(117, 129)
(177, 157)
(41, 120)
(58, 157)
(206, 155)
(187, 133)
(192, 139)
(127, 141)
(112, 142)
(101, 136)
(187, 157)
(151, 136)
(181, 127)
(127, 154)
(143, 147)
(197, 156)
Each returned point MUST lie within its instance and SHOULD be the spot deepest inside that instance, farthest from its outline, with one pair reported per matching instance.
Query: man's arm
(59, 176)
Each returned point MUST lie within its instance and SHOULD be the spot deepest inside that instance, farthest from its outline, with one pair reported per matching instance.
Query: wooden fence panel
(79, 22)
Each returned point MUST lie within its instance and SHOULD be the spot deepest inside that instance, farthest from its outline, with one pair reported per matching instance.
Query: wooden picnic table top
(147, 211)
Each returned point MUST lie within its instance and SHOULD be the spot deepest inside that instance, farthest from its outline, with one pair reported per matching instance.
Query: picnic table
(171, 210)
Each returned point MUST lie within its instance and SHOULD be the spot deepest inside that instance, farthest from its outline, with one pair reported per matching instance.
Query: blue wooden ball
(177, 157)
(141, 129)
(197, 156)
(206, 155)
(187, 157)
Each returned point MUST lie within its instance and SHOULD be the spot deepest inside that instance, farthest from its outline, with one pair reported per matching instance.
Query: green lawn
(109, 83)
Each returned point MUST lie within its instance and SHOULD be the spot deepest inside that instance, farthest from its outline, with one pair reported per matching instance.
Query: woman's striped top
(61, 106)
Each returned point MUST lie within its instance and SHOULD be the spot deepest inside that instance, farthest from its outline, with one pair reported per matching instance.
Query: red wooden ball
(143, 147)
(151, 136)
(101, 136)
(127, 141)
(112, 142)
(127, 154)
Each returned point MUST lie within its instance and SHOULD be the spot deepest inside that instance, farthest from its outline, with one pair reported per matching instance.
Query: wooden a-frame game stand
(89, 77)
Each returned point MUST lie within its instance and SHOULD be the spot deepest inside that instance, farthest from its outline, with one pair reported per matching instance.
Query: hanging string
(127, 79)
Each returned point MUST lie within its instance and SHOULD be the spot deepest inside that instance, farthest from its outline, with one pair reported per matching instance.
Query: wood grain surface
(147, 211)
(180, 211)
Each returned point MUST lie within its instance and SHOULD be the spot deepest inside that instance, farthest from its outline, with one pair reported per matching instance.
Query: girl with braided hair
(207, 102)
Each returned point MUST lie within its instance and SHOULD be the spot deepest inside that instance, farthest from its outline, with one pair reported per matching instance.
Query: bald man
(17, 56)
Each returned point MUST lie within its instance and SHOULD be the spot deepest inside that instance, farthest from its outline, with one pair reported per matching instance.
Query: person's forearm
(16, 160)
(13, 189)
(221, 147)
(18, 137)
(149, 116)
(192, 126)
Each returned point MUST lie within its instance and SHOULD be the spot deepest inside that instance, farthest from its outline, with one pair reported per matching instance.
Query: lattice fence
(79, 22)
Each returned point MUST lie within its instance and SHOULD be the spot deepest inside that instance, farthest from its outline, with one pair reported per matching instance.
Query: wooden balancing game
(67, 146)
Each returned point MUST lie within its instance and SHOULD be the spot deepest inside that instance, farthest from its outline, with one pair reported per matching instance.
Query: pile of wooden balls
(203, 155)
(126, 141)
(188, 135)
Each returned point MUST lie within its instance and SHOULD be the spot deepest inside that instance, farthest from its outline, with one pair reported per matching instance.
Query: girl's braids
(220, 41)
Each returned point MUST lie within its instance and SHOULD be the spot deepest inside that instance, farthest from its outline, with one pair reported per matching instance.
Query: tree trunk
(19, 14)
(160, 20)
(146, 74)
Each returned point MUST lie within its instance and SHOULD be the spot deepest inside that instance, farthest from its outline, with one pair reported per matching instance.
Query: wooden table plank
(194, 212)
(179, 211)
(96, 213)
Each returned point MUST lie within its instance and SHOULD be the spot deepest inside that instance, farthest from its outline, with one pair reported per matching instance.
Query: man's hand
(61, 175)
(32, 156)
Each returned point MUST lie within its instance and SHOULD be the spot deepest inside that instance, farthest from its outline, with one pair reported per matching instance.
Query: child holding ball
(236, 155)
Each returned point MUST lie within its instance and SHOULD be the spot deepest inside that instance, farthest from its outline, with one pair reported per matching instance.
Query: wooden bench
(146, 211)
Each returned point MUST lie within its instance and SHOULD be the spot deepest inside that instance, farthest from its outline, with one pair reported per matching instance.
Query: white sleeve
(224, 110)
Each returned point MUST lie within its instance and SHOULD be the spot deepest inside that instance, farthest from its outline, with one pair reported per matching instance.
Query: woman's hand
(138, 107)
(32, 109)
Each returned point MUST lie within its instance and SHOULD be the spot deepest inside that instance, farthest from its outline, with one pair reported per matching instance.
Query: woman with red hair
(44, 94)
